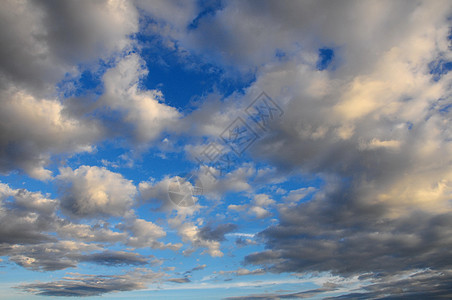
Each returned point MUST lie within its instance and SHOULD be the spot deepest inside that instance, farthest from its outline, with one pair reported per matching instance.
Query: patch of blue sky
(207, 8)
(439, 68)
(184, 78)
(86, 81)
(326, 56)
(18, 180)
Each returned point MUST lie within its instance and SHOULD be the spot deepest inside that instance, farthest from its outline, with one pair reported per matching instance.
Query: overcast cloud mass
(226, 149)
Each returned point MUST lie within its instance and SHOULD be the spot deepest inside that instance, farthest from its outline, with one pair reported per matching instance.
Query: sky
(225, 149)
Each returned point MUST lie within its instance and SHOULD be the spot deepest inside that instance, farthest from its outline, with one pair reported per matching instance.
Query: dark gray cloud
(197, 268)
(25, 217)
(115, 258)
(425, 284)
(274, 296)
(337, 232)
(93, 285)
(422, 285)
(47, 256)
(44, 39)
(216, 233)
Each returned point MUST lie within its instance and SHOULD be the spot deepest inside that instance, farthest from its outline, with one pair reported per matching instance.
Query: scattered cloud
(77, 285)
(258, 207)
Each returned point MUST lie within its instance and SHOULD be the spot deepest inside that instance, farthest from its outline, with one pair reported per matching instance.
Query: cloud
(49, 256)
(115, 258)
(197, 268)
(426, 284)
(143, 113)
(179, 280)
(146, 234)
(37, 54)
(158, 193)
(243, 272)
(77, 285)
(33, 235)
(270, 296)
(200, 267)
(206, 237)
(375, 131)
(374, 128)
(99, 232)
(35, 128)
(337, 231)
(257, 207)
(233, 181)
(216, 234)
(242, 242)
(92, 191)
(27, 219)
(177, 14)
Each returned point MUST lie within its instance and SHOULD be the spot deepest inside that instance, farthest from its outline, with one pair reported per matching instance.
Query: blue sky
(225, 149)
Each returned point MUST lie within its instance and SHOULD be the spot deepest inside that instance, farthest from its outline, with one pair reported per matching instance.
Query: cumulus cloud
(92, 191)
(99, 232)
(33, 235)
(206, 237)
(145, 234)
(337, 231)
(51, 256)
(258, 207)
(38, 50)
(216, 233)
(33, 129)
(294, 196)
(37, 54)
(157, 193)
(144, 114)
(27, 219)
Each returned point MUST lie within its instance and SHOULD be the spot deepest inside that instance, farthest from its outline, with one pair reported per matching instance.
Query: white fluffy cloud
(145, 115)
(33, 129)
(146, 234)
(257, 208)
(92, 191)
